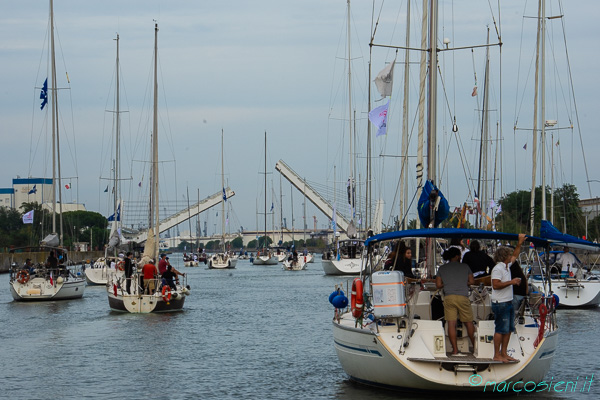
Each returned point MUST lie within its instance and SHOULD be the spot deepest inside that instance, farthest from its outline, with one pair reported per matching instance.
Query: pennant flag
(44, 94)
(378, 117)
(474, 92)
(385, 79)
(112, 217)
(557, 142)
(106, 190)
(271, 207)
(28, 217)
(224, 195)
(140, 184)
(525, 147)
(476, 198)
(67, 186)
(33, 190)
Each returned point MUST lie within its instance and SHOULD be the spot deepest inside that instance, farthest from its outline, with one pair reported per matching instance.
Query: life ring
(357, 298)
(166, 293)
(121, 266)
(23, 276)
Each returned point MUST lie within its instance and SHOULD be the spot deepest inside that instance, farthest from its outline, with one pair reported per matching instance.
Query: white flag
(28, 217)
(385, 79)
(378, 117)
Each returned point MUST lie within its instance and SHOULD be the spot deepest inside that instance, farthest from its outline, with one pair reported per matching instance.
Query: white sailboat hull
(343, 266)
(100, 275)
(265, 260)
(372, 355)
(574, 293)
(190, 263)
(140, 303)
(40, 289)
(221, 261)
(297, 266)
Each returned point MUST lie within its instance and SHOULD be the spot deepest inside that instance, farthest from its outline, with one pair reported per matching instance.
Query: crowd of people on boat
(461, 267)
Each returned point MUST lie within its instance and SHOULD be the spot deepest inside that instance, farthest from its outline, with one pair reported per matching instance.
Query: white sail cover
(149, 248)
(51, 240)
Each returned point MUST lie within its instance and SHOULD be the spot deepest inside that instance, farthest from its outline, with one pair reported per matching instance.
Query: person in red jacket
(150, 272)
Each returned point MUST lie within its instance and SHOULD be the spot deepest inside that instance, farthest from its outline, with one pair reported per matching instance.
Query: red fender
(540, 336)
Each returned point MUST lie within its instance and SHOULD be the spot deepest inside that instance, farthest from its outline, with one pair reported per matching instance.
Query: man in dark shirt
(169, 276)
(128, 271)
(52, 261)
(480, 263)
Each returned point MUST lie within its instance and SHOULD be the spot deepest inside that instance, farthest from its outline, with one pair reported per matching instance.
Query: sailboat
(344, 256)
(99, 271)
(393, 336)
(576, 286)
(265, 256)
(223, 259)
(53, 280)
(165, 298)
(579, 286)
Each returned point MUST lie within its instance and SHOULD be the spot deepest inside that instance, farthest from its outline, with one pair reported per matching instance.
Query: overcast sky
(278, 66)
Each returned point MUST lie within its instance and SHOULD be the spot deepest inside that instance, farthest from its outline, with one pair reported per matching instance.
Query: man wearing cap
(162, 264)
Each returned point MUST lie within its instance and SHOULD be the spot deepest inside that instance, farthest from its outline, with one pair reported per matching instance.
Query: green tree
(252, 244)
(237, 243)
(515, 215)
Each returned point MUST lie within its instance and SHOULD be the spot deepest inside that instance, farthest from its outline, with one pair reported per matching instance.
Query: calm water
(255, 332)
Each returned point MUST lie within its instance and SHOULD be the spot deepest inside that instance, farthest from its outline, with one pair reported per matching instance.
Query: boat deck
(463, 358)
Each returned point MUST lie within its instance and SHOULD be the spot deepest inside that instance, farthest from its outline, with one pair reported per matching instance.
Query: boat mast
(56, 174)
(482, 182)
(304, 214)
(432, 115)
(350, 136)
(224, 195)
(421, 119)
(154, 189)
(403, 182)
(117, 140)
(543, 105)
(535, 121)
(265, 237)
(292, 201)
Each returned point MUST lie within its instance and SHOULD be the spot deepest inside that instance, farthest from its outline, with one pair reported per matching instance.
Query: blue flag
(112, 217)
(33, 190)
(224, 195)
(44, 94)
(106, 190)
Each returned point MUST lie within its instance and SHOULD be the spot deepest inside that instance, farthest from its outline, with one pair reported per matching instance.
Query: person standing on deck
(162, 264)
(128, 271)
(455, 277)
(502, 296)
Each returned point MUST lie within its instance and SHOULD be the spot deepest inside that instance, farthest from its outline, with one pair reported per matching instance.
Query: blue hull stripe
(358, 349)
